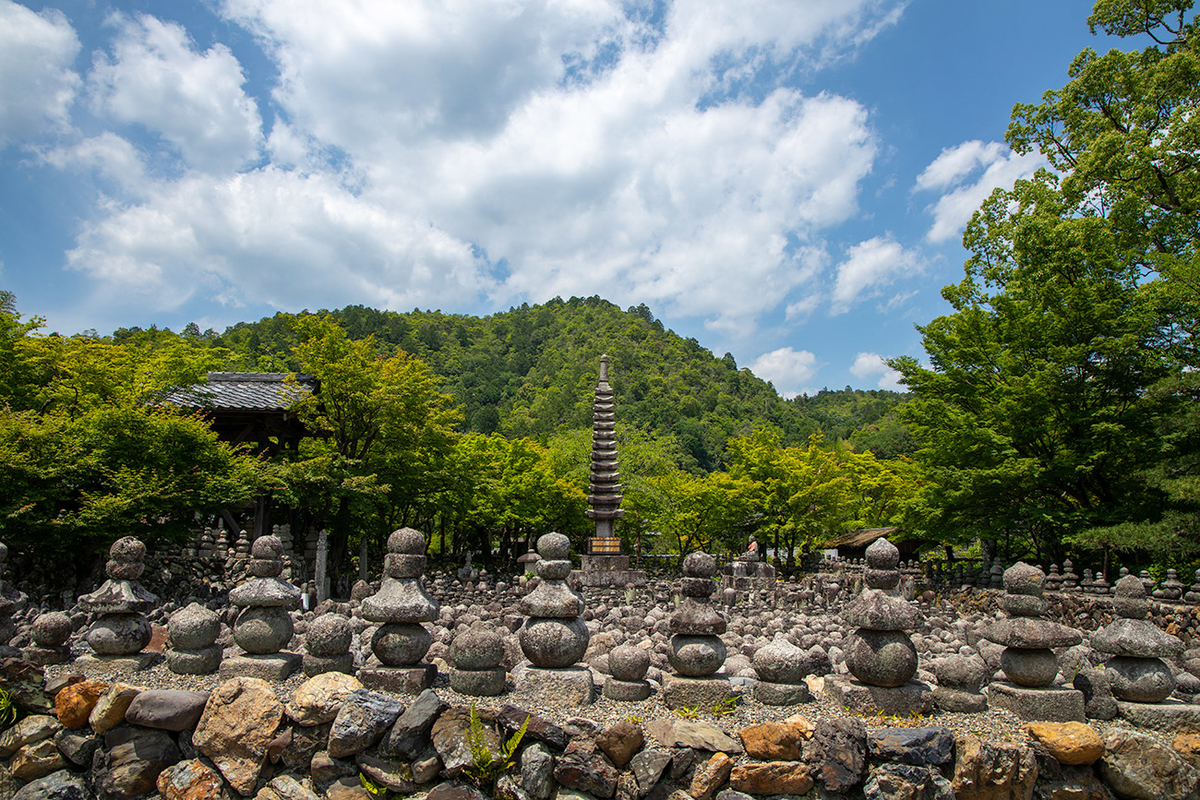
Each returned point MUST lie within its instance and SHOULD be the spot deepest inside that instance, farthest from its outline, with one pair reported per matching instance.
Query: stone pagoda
(554, 637)
(880, 655)
(697, 651)
(1140, 680)
(1028, 661)
(400, 605)
(603, 564)
(10, 600)
(121, 629)
(264, 625)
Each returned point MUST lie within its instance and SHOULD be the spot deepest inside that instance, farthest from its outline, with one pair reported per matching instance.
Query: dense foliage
(1059, 405)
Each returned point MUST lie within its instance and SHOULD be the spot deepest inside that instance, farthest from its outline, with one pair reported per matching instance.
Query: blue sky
(786, 181)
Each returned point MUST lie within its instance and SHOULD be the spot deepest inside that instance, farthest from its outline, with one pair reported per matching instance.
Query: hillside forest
(1055, 412)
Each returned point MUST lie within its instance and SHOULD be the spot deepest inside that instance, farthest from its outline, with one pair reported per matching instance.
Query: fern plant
(485, 767)
(373, 789)
(8, 711)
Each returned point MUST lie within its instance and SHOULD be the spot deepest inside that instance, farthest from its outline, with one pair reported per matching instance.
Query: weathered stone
(131, 761)
(324, 768)
(565, 687)
(348, 788)
(36, 760)
(27, 731)
(361, 722)
(1045, 703)
(1139, 680)
(74, 703)
(537, 771)
(110, 708)
(539, 728)
(456, 791)
(449, 735)
(1169, 716)
(697, 735)
(907, 782)
(410, 733)
(77, 748)
(319, 698)
(773, 777)
(1031, 633)
(391, 774)
(704, 693)
(1138, 765)
(628, 663)
(1098, 700)
(167, 709)
(582, 768)
(711, 776)
(955, 700)
(620, 742)
(839, 754)
(648, 766)
(917, 746)
(1071, 743)
(991, 771)
(24, 683)
(914, 697)
(775, 741)
(61, 785)
(285, 787)
(237, 725)
(626, 691)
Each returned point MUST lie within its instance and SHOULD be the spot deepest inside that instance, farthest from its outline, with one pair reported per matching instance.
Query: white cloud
(592, 152)
(788, 369)
(871, 366)
(869, 266)
(274, 237)
(38, 86)
(194, 100)
(109, 155)
(947, 173)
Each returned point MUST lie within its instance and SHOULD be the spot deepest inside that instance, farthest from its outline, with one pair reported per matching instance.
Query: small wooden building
(855, 543)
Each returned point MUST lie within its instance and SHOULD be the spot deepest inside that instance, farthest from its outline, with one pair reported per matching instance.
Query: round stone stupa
(191, 641)
(696, 650)
(327, 645)
(264, 626)
(120, 630)
(400, 606)
(879, 654)
(476, 654)
(781, 668)
(1136, 671)
(554, 637)
(1028, 660)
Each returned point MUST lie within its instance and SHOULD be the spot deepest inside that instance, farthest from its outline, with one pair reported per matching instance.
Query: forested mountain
(530, 372)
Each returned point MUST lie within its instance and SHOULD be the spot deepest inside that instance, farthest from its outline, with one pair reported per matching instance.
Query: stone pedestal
(567, 687)
(270, 667)
(1169, 716)
(400, 680)
(913, 697)
(476, 654)
(626, 691)
(702, 693)
(94, 664)
(781, 694)
(781, 668)
(1041, 703)
(627, 665)
(51, 631)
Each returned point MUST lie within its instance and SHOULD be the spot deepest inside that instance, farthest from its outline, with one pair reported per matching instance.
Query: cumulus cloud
(195, 101)
(949, 174)
(275, 237)
(39, 85)
(871, 366)
(589, 147)
(869, 266)
(790, 370)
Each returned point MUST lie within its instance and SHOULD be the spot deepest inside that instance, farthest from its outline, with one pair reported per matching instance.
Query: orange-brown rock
(73, 704)
(988, 771)
(1071, 743)
(238, 724)
(711, 776)
(1188, 746)
(774, 741)
(775, 777)
(191, 780)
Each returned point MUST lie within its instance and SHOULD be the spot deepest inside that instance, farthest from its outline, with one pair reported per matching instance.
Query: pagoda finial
(604, 368)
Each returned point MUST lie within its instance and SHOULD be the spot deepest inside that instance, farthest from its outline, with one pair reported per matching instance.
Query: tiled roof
(246, 391)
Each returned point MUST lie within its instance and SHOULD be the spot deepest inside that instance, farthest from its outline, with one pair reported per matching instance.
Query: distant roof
(860, 538)
(246, 391)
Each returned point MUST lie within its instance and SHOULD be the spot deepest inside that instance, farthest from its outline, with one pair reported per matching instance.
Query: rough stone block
(781, 694)
(273, 667)
(905, 700)
(703, 693)
(1169, 716)
(401, 680)
(564, 688)
(1046, 703)
(93, 664)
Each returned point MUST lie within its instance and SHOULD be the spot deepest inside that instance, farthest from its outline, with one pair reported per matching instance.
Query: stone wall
(87, 739)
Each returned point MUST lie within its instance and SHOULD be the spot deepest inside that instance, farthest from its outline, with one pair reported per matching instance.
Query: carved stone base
(627, 691)
(319, 665)
(93, 664)
(571, 687)
(270, 667)
(44, 656)
(1169, 716)
(401, 680)
(904, 700)
(699, 693)
(1046, 703)
(781, 694)
(478, 682)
